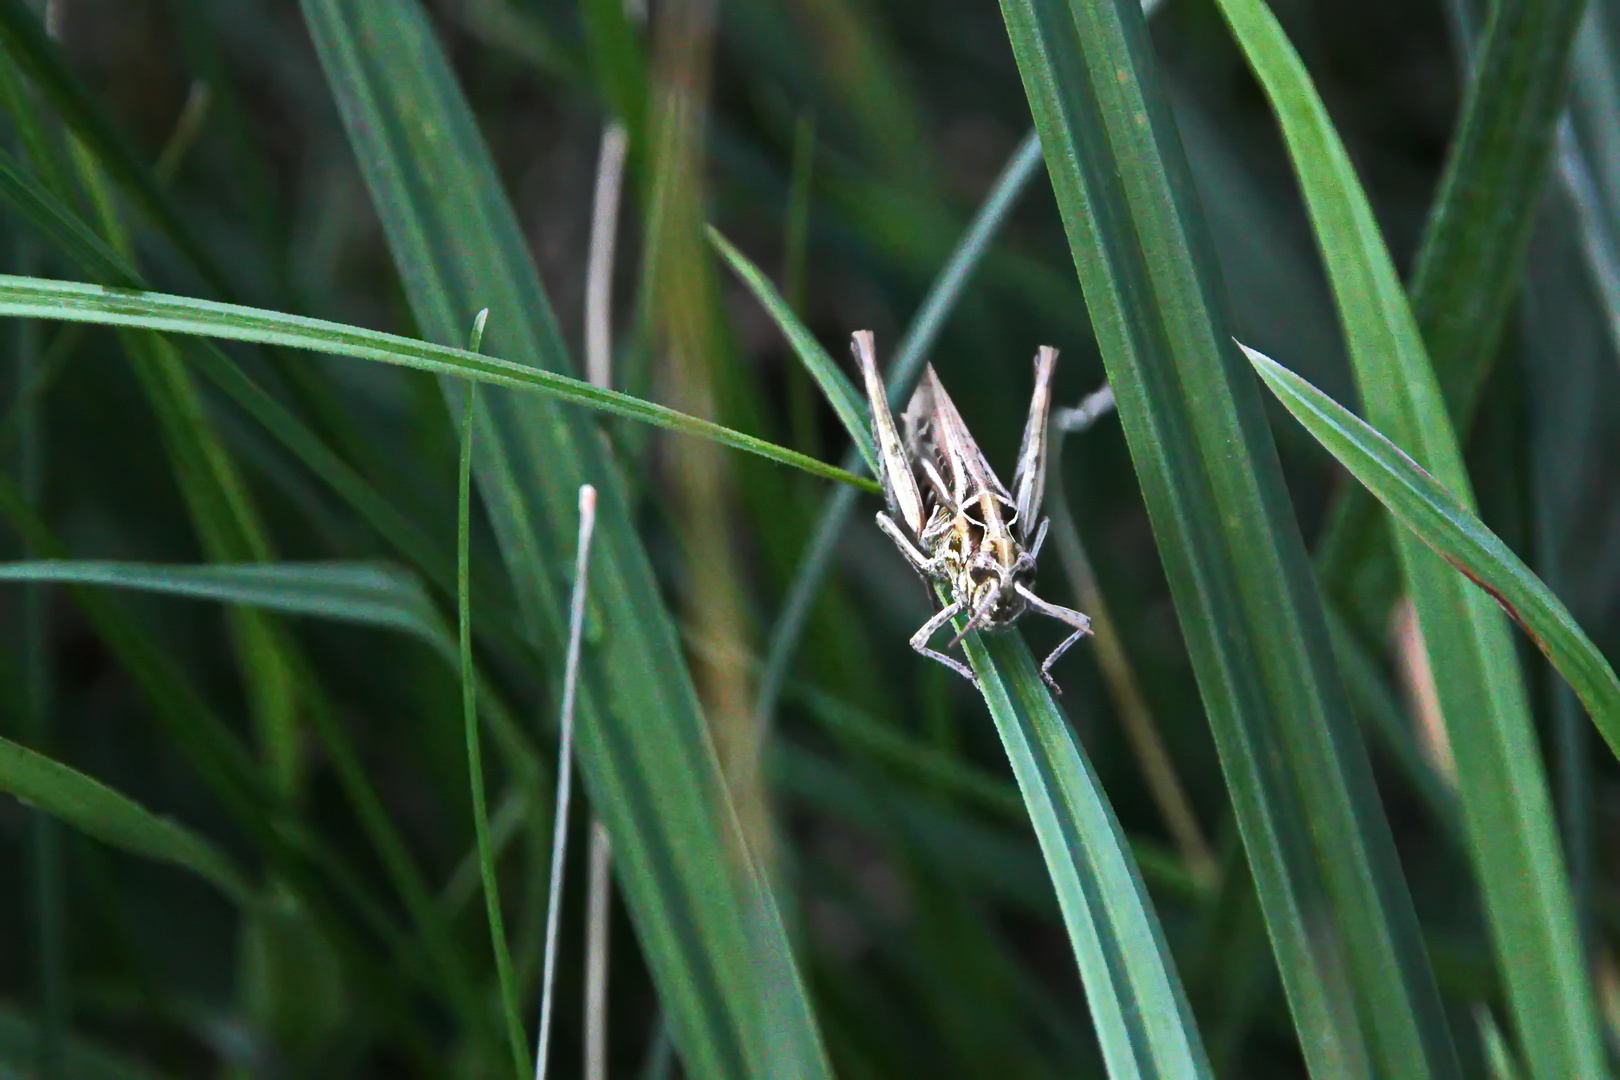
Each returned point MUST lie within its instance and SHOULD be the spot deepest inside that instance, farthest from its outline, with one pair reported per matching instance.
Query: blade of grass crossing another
(1503, 788)
(836, 387)
(711, 938)
(1340, 920)
(1446, 524)
(1471, 260)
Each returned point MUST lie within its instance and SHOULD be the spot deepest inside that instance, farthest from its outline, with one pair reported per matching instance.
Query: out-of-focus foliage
(295, 732)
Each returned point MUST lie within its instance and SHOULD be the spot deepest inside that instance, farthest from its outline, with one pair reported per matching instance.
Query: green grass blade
(840, 392)
(364, 593)
(1136, 1000)
(77, 302)
(113, 818)
(24, 38)
(1471, 260)
(711, 936)
(1503, 788)
(1340, 920)
(475, 755)
(1446, 524)
(60, 226)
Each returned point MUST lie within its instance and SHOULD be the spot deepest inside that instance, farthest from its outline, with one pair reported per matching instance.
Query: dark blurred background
(932, 944)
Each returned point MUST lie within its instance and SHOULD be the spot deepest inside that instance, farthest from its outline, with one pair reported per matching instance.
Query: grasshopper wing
(1029, 479)
(899, 482)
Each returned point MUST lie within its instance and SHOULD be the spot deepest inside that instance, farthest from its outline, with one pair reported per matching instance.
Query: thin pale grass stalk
(599, 267)
(610, 165)
(1141, 730)
(907, 365)
(565, 772)
(597, 914)
(469, 716)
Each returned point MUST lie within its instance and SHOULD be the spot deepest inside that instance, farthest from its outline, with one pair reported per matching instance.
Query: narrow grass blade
(60, 226)
(835, 385)
(1503, 788)
(475, 756)
(1340, 920)
(365, 593)
(1136, 1000)
(710, 934)
(71, 302)
(1471, 260)
(113, 818)
(1446, 524)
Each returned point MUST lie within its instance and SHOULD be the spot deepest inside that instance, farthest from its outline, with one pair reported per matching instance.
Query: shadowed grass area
(281, 683)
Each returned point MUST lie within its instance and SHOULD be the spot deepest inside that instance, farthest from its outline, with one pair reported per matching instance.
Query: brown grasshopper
(961, 529)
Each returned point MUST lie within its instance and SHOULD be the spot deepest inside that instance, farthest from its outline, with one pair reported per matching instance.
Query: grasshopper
(958, 525)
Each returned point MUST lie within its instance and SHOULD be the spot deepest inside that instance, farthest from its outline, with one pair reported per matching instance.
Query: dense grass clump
(443, 628)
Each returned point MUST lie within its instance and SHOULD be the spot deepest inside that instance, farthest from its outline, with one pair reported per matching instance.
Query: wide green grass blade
(1471, 260)
(113, 818)
(1503, 788)
(1446, 524)
(1136, 1000)
(708, 930)
(1340, 920)
(77, 302)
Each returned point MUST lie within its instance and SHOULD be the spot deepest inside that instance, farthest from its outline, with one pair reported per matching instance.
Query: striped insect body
(954, 520)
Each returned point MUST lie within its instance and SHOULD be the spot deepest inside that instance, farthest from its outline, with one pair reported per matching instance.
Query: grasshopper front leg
(919, 640)
(1076, 619)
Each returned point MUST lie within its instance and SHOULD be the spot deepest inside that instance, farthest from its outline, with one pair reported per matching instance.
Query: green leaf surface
(1340, 921)
(77, 302)
(113, 818)
(707, 927)
(1506, 806)
(1136, 1000)
(1447, 525)
(1471, 260)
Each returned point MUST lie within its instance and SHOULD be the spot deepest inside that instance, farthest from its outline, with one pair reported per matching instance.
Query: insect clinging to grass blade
(957, 523)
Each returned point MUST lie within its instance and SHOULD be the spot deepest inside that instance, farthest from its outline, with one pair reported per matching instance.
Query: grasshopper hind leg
(919, 640)
(1081, 624)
